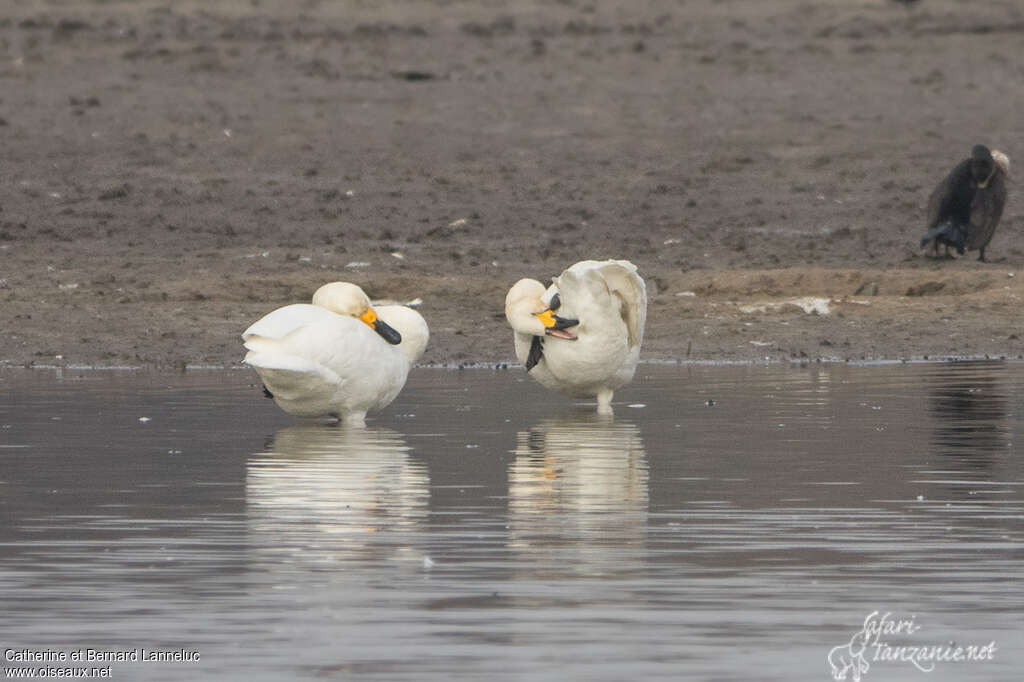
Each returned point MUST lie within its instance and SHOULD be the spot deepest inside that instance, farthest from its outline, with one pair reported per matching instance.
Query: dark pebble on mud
(414, 75)
(115, 192)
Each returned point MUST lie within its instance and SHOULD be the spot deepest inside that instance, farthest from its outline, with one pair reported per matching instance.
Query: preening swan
(581, 336)
(338, 356)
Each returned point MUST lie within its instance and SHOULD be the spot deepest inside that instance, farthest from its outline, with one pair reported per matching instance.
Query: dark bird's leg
(982, 256)
(944, 234)
(267, 393)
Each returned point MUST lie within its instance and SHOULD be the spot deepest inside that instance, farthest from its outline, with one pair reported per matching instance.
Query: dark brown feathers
(986, 210)
(965, 208)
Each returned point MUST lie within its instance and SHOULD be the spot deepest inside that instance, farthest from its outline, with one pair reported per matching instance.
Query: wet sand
(173, 171)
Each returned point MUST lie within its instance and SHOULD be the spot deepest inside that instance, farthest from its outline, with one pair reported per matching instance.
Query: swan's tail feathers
(947, 234)
(290, 378)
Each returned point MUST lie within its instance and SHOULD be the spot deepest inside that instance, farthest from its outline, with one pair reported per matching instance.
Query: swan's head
(348, 299)
(528, 314)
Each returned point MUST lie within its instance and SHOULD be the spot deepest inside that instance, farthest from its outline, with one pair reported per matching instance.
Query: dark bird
(965, 208)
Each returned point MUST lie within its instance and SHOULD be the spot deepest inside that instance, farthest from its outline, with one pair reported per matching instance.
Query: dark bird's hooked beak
(386, 331)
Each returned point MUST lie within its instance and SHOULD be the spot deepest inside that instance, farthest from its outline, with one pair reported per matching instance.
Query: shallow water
(730, 523)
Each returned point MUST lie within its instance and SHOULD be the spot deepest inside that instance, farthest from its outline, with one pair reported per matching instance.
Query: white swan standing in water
(591, 346)
(338, 356)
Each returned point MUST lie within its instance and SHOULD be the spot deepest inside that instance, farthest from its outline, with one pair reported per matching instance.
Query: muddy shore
(172, 171)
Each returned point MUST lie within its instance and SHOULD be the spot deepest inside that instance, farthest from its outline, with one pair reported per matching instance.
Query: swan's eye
(556, 302)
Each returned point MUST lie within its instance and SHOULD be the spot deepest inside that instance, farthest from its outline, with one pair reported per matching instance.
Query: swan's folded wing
(318, 362)
(413, 328)
(305, 386)
(620, 279)
(623, 282)
(986, 210)
(263, 357)
(284, 321)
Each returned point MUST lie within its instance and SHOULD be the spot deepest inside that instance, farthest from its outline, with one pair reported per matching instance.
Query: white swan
(338, 356)
(591, 347)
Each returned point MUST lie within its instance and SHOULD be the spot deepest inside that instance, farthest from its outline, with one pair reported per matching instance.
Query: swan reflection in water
(578, 480)
(322, 495)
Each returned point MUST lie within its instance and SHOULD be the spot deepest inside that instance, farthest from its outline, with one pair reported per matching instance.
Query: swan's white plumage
(318, 361)
(284, 320)
(609, 299)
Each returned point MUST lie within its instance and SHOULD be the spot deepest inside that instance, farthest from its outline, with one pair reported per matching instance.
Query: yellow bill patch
(369, 317)
(547, 318)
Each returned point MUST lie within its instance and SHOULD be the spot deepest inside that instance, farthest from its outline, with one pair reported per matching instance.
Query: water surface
(730, 523)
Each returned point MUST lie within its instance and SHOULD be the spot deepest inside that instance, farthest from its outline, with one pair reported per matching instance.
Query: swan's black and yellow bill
(553, 326)
(556, 326)
(386, 331)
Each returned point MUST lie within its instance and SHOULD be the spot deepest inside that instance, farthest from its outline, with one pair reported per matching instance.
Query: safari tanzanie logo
(885, 639)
